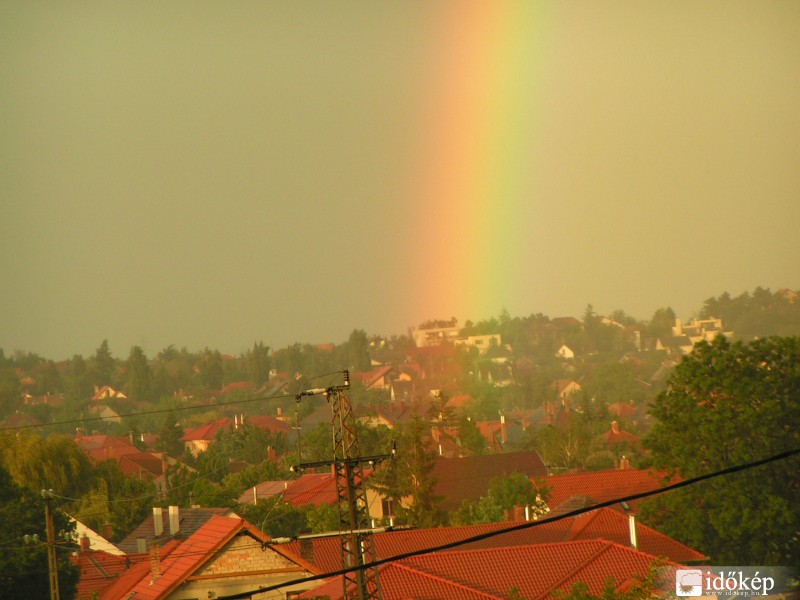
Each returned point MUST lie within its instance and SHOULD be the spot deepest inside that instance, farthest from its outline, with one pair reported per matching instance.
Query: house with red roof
(311, 488)
(99, 570)
(198, 440)
(468, 478)
(604, 524)
(225, 556)
(601, 486)
(535, 571)
(616, 438)
(379, 378)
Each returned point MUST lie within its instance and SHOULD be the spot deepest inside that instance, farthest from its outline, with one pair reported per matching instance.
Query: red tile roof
(99, 570)
(311, 488)
(535, 571)
(603, 524)
(469, 477)
(601, 486)
(182, 561)
(209, 430)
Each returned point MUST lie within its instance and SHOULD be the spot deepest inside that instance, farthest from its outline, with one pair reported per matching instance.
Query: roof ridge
(450, 582)
(604, 546)
(579, 524)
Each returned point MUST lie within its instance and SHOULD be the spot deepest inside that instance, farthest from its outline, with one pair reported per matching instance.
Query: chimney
(632, 528)
(280, 412)
(440, 450)
(158, 521)
(155, 562)
(236, 421)
(108, 531)
(85, 543)
(174, 520)
(503, 430)
(519, 513)
(614, 427)
(79, 431)
(624, 463)
(307, 549)
(141, 545)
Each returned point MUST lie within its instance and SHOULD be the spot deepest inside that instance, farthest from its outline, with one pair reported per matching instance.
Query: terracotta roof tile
(468, 478)
(536, 571)
(601, 485)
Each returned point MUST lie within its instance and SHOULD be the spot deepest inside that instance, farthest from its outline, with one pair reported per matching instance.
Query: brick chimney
(86, 543)
(614, 427)
(108, 531)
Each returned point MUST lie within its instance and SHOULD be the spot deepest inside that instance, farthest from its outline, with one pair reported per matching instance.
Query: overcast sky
(211, 174)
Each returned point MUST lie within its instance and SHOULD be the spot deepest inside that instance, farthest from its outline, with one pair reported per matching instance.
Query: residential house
(601, 486)
(685, 336)
(225, 556)
(565, 352)
(468, 478)
(434, 336)
(198, 440)
(106, 392)
(532, 571)
(481, 342)
(601, 524)
(379, 378)
(617, 440)
(177, 524)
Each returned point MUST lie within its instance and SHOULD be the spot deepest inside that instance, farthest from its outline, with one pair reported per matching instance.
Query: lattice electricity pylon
(354, 523)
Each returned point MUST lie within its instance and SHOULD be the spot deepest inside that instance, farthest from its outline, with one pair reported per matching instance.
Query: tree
(728, 404)
(259, 364)
(138, 383)
(169, 436)
(23, 567)
(503, 493)
(407, 478)
(103, 365)
(358, 351)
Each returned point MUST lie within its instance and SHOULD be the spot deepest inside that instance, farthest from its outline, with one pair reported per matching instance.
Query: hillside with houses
(504, 421)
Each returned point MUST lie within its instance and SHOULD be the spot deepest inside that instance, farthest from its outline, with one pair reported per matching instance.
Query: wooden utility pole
(52, 560)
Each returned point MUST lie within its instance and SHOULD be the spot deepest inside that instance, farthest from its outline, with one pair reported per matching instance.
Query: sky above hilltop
(212, 174)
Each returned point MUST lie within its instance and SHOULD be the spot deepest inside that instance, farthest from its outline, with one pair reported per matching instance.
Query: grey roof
(190, 520)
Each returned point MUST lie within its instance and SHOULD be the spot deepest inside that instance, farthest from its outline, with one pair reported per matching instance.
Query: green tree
(103, 366)
(169, 436)
(10, 391)
(24, 567)
(54, 463)
(358, 351)
(729, 404)
(408, 478)
(259, 364)
(138, 380)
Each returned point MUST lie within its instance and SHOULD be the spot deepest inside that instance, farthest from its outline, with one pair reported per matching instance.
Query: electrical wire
(519, 527)
(149, 412)
(475, 538)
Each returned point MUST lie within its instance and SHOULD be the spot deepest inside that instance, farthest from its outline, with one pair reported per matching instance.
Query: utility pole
(51, 544)
(354, 524)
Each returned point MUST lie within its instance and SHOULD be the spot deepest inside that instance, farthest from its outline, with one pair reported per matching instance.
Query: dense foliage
(729, 404)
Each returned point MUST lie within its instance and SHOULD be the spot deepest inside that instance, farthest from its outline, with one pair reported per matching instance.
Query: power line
(149, 412)
(519, 527)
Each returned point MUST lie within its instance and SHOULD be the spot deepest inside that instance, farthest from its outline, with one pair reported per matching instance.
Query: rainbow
(478, 157)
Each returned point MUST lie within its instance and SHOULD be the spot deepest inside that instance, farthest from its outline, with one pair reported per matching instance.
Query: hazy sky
(220, 173)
